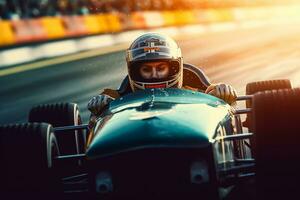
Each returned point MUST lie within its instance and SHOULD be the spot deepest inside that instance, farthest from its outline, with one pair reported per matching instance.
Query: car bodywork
(159, 118)
(159, 137)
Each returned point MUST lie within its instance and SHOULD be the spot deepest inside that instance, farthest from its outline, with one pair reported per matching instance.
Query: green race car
(158, 143)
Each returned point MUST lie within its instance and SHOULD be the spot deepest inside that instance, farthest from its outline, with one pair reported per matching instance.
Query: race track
(235, 57)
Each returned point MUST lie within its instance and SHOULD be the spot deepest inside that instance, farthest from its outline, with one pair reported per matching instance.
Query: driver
(155, 61)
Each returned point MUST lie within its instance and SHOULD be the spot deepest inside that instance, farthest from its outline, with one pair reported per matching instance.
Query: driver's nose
(154, 72)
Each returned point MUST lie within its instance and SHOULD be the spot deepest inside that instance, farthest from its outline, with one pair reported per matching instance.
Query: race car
(158, 143)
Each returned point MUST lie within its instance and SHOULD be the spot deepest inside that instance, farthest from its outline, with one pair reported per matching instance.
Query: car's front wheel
(28, 164)
(62, 114)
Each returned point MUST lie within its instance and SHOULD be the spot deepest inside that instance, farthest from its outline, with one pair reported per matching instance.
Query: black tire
(27, 154)
(62, 114)
(277, 142)
(261, 86)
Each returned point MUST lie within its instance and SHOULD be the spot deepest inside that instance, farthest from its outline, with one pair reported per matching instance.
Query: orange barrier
(7, 35)
(47, 28)
(74, 26)
(69, 26)
(137, 21)
(125, 21)
(144, 20)
(53, 27)
(28, 30)
(95, 24)
(37, 29)
(169, 18)
(184, 17)
(113, 23)
(22, 31)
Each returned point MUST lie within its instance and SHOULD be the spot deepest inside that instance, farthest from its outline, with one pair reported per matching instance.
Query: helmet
(152, 47)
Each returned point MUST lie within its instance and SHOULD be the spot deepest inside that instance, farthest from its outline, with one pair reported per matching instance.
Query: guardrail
(49, 28)
(103, 30)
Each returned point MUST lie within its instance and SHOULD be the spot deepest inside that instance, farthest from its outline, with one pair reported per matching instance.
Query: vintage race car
(158, 143)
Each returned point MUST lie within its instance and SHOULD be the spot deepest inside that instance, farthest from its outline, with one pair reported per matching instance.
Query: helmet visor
(154, 72)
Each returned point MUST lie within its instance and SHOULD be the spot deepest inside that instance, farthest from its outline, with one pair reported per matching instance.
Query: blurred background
(69, 50)
(17, 9)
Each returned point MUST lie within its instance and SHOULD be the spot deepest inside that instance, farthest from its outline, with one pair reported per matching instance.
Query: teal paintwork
(158, 118)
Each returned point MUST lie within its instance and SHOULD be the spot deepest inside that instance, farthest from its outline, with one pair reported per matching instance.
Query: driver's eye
(162, 68)
(146, 69)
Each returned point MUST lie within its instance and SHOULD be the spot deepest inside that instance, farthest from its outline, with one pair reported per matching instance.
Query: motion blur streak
(60, 60)
(234, 57)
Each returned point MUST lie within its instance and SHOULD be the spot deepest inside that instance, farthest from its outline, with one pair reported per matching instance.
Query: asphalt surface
(235, 57)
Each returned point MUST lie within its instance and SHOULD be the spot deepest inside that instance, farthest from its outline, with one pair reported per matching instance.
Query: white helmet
(152, 47)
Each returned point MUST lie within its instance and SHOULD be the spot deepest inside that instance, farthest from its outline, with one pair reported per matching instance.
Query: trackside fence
(111, 28)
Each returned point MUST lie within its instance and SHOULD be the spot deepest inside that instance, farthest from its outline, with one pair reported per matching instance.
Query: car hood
(158, 118)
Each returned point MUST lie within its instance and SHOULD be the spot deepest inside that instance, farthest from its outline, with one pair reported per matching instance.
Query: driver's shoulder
(112, 93)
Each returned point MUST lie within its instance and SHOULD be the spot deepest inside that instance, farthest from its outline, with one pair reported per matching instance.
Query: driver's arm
(99, 102)
(222, 91)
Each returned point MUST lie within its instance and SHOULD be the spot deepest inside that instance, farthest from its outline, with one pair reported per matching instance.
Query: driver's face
(155, 69)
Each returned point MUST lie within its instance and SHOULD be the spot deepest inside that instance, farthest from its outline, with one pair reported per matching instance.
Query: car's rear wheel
(28, 164)
(62, 114)
(261, 86)
(277, 142)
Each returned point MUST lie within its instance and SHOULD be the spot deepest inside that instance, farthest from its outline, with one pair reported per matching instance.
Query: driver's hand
(222, 91)
(97, 103)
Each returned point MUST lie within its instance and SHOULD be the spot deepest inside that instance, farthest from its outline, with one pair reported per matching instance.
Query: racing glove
(97, 103)
(223, 91)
